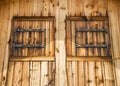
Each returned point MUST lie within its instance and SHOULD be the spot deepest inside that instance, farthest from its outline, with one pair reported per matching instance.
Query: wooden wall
(72, 73)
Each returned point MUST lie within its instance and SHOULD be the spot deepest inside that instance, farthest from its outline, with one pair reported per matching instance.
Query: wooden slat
(116, 71)
(109, 78)
(69, 73)
(92, 81)
(17, 80)
(35, 76)
(69, 58)
(83, 58)
(34, 18)
(25, 74)
(43, 58)
(68, 39)
(75, 78)
(44, 73)
(10, 74)
(99, 74)
(86, 71)
(81, 74)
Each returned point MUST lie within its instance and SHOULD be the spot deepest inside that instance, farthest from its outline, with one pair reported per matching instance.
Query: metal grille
(17, 46)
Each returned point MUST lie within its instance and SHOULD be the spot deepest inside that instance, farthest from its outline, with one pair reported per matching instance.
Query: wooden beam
(88, 58)
(87, 18)
(60, 54)
(33, 18)
(32, 58)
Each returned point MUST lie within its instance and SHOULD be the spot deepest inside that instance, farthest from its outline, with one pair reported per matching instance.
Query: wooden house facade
(59, 43)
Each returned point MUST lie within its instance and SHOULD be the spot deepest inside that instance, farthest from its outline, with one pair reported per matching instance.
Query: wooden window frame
(32, 58)
(89, 58)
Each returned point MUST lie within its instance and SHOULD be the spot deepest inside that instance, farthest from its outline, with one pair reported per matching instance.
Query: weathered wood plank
(10, 74)
(99, 74)
(36, 74)
(69, 73)
(109, 78)
(25, 74)
(81, 74)
(61, 76)
(91, 75)
(17, 80)
(75, 78)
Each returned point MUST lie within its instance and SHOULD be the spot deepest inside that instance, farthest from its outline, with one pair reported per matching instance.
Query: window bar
(92, 30)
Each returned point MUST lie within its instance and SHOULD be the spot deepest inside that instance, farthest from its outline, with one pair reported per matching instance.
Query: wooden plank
(91, 75)
(35, 81)
(52, 8)
(17, 80)
(116, 71)
(73, 38)
(22, 8)
(4, 43)
(68, 39)
(61, 76)
(51, 74)
(34, 18)
(52, 38)
(99, 74)
(69, 73)
(44, 73)
(10, 74)
(75, 78)
(80, 38)
(109, 78)
(25, 74)
(86, 71)
(114, 23)
(43, 58)
(89, 39)
(88, 58)
(102, 6)
(44, 65)
(81, 74)
(31, 8)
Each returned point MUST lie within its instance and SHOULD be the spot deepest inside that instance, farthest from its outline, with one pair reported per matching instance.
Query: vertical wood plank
(25, 74)
(86, 70)
(92, 81)
(4, 46)
(109, 78)
(61, 76)
(68, 39)
(99, 74)
(75, 73)
(17, 80)
(81, 74)
(36, 74)
(10, 74)
(69, 73)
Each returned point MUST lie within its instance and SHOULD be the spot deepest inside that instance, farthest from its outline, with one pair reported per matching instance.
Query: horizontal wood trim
(50, 58)
(69, 58)
(85, 58)
(34, 18)
(88, 18)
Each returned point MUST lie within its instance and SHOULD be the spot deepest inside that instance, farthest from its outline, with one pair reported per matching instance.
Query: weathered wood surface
(27, 74)
(90, 74)
(78, 72)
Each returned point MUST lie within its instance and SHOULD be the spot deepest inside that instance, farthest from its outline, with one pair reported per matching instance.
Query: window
(32, 36)
(88, 36)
